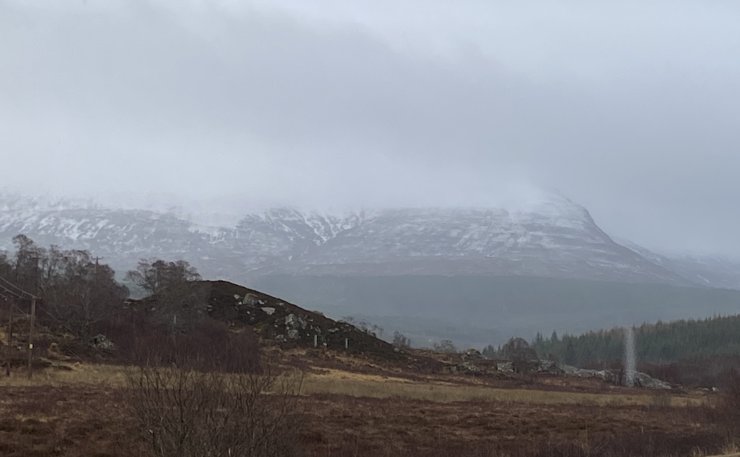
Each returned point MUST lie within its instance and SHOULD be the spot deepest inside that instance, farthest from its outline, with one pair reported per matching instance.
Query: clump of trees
(159, 277)
(174, 291)
(80, 296)
(76, 291)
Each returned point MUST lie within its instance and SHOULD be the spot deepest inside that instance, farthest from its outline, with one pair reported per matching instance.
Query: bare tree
(26, 268)
(6, 268)
(79, 292)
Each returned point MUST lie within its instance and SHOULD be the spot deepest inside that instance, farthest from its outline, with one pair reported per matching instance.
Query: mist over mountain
(513, 270)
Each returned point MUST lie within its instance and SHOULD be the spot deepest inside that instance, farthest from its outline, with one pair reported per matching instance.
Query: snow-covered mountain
(551, 238)
(480, 275)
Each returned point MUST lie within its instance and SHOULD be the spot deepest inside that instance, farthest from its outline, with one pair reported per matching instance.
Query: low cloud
(630, 109)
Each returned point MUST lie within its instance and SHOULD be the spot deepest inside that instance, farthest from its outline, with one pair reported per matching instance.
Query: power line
(19, 290)
(14, 293)
(19, 293)
(10, 292)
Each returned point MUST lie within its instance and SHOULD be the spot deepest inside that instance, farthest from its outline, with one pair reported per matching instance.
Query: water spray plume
(630, 358)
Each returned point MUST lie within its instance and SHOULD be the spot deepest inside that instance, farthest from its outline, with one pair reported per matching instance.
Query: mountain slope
(716, 272)
(557, 239)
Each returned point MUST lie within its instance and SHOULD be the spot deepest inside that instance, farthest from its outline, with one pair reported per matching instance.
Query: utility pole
(30, 337)
(15, 293)
(32, 322)
(9, 345)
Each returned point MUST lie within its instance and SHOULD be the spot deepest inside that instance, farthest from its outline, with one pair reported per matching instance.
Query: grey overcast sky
(631, 108)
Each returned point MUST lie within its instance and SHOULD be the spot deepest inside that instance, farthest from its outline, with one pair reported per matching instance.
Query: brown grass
(76, 374)
(88, 421)
(375, 386)
(81, 412)
(340, 382)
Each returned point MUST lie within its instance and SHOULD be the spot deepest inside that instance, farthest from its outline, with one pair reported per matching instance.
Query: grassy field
(81, 411)
(353, 384)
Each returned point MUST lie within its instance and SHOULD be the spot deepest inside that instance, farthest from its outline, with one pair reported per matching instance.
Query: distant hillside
(479, 310)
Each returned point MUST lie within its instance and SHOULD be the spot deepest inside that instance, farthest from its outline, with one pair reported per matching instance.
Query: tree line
(659, 343)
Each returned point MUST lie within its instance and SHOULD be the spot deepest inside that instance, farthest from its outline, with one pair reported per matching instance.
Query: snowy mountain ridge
(552, 237)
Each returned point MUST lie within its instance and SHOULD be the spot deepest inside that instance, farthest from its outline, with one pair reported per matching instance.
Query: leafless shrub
(184, 412)
(206, 393)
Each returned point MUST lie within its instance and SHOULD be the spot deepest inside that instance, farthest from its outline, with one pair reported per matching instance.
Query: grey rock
(295, 322)
(505, 367)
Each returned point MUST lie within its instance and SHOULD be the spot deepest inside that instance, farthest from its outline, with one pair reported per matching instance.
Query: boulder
(102, 342)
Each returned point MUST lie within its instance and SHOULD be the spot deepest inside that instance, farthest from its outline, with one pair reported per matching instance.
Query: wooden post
(9, 347)
(30, 337)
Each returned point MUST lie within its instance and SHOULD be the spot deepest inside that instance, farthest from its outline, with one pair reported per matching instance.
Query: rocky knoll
(286, 324)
